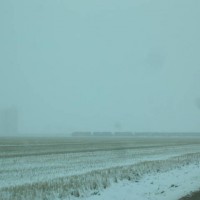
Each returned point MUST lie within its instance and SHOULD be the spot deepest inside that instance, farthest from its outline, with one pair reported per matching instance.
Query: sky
(101, 65)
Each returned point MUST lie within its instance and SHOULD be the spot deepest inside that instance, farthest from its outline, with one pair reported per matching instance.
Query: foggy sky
(101, 65)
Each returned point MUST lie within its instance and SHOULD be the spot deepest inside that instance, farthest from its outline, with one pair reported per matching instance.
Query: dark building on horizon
(122, 134)
(9, 121)
(81, 134)
(102, 134)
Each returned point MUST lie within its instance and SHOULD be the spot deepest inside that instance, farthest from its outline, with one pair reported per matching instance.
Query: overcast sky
(101, 65)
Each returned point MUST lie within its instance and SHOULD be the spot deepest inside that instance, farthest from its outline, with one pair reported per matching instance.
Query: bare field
(13, 147)
(64, 168)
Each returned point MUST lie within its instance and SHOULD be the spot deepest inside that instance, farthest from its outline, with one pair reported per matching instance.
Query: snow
(170, 185)
(88, 172)
(32, 169)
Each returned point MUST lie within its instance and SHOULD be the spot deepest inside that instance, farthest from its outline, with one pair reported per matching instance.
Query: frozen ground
(33, 169)
(170, 185)
(103, 168)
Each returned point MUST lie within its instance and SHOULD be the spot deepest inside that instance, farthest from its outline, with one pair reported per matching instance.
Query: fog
(96, 65)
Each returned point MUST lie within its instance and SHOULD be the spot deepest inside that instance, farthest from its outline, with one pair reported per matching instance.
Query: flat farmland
(16, 147)
(72, 167)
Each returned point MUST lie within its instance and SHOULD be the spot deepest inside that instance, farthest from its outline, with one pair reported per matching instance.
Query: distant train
(101, 134)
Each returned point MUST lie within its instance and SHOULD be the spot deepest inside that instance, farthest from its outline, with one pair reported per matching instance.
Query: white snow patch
(170, 185)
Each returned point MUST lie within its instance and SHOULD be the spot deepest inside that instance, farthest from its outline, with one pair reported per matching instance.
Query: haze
(104, 65)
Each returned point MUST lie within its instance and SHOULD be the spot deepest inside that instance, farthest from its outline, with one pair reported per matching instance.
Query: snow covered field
(170, 185)
(103, 168)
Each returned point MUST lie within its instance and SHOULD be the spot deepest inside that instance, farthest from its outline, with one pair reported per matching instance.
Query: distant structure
(81, 134)
(102, 134)
(9, 121)
(122, 134)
